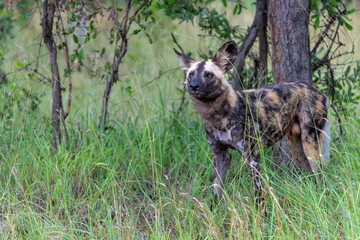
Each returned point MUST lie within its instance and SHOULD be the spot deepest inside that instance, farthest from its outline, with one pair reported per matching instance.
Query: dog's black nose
(194, 86)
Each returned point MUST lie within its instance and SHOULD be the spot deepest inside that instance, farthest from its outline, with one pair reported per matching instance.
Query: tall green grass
(150, 174)
(151, 178)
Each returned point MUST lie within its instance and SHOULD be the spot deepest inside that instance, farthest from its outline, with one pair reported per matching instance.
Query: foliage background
(151, 174)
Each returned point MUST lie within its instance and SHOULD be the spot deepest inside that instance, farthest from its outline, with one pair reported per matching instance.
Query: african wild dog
(247, 120)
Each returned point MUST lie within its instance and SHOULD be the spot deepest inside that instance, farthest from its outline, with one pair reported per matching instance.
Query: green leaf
(71, 30)
(235, 9)
(31, 76)
(102, 52)
(351, 11)
(136, 31)
(348, 26)
(72, 57)
(76, 40)
(82, 54)
(26, 16)
(224, 3)
(148, 36)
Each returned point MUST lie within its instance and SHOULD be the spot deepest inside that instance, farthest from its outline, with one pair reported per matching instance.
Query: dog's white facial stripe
(209, 66)
(192, 68)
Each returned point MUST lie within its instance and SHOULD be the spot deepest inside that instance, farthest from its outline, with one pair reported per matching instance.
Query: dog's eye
(209, 75)
(191, 75)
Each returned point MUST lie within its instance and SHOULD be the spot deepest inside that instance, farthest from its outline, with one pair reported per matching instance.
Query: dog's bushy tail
(326, 139)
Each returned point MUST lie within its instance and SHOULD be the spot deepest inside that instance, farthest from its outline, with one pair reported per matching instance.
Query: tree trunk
(47, 26)
(263, 45)
(290, 41)
(289, 21)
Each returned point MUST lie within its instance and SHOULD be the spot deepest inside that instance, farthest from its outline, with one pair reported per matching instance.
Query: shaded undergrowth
(152, 179)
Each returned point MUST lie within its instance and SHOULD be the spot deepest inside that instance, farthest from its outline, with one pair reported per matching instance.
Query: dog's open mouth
(196, 94)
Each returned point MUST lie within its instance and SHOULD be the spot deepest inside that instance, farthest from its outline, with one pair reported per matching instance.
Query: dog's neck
(217, 111)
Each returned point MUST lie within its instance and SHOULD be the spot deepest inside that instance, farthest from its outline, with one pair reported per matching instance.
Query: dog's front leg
(222, 160)
(253, 163)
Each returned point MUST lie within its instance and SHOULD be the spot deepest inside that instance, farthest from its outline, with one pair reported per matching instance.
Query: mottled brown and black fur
(248, 120)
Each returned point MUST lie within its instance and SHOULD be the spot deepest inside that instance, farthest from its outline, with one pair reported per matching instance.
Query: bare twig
(177, 44)
(136, 13)
(65, 133)
(38, 56)
(125, 19)
(340, 122)
(325, 59)
(67, 60)
(331, 82)
(254, 79)
(181, 106)
(331, 93)
(42, 75)
(322, 36)
(332, 42)
(35, 71)
(160, 75)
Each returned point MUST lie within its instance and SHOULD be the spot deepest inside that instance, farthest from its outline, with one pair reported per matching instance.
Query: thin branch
(160, 75)
(177, 44)
(325, 59)
(322, 37)
(334, 17)
(38, 55)
(125, 19)
(67, 60)
(254, 79)
(340, 122)
(184, 87)
(343, 54)
(33, 70)
(332, 42)
(331, 83)
(136, 12)
(116, 18)
(331, 93)
(42, 75)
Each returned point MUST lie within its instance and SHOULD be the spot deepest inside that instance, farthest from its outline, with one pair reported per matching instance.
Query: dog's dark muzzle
(194, 86)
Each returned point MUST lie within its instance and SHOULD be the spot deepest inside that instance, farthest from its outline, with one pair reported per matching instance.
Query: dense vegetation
(148, 173)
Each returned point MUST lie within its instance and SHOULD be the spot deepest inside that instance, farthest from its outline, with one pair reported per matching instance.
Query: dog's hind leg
(297, 151)
(310, 136)
(311, 150)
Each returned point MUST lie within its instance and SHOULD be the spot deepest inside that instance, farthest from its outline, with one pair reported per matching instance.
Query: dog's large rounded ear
(226, 56)
(185, 61)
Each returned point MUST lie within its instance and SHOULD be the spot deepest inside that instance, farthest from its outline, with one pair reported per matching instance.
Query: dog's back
(276, 111)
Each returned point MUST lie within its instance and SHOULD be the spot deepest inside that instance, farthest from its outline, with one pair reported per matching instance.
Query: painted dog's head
(206, 79)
